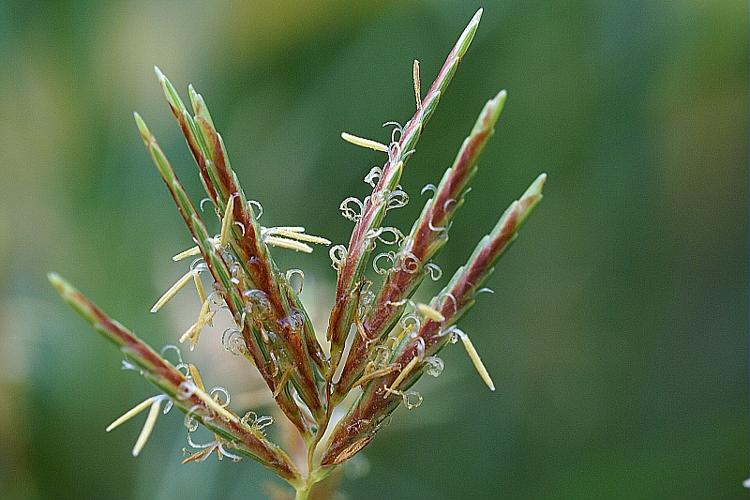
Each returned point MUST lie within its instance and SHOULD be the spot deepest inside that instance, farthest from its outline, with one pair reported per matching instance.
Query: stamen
(199, 287)
(474, 355)
(404, 373)
(297, 235)
(287, 243)
(381, 372)
(193, 333)
(130, 414)
(196, 376)
(153, 414)
(172, 291)
(190, 252)
(364, 143)
(429, 312)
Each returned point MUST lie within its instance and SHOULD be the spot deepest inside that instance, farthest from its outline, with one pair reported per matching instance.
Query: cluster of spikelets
(379, 341)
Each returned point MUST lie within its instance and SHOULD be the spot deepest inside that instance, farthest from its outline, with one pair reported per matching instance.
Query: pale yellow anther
(291, 229)
(153, 414)
(417, 84)
(298, 235)
(193, 333)
(199, 287)
(226, 222)
(405, 373)
(179, 285)
(474, 356)
(190, 252)
(364, 143)
(280, 242)
(429, 312)
(196, 376)
(155, 403)
(381, 372)
(130, 414)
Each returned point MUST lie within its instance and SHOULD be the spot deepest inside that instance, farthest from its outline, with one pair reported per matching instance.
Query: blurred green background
(617, 333)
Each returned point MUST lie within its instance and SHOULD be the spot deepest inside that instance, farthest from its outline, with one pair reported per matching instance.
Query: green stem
(302, 493)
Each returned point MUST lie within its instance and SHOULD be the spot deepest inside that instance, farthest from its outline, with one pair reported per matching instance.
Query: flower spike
(381, 340)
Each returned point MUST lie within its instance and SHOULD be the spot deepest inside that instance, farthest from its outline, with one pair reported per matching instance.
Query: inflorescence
(379, 341)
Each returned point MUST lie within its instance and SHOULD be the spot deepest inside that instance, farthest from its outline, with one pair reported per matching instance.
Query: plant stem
(302, 493)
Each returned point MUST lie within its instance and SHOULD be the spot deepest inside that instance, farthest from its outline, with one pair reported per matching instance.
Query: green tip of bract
(490, 113)
(500, 98)
(159, 74)
(497, 103)
(531, 197)
(57, 281)
(468, 35)
(536, 187)
(142, 128)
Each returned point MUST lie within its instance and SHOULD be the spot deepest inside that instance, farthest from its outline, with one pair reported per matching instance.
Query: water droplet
(434, 366)
(455, 334)
(412, 399)
(294, 321)
(260, 305)
(185, 389)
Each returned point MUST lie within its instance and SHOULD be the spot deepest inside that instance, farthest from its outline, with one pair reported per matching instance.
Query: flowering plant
(379, 341)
